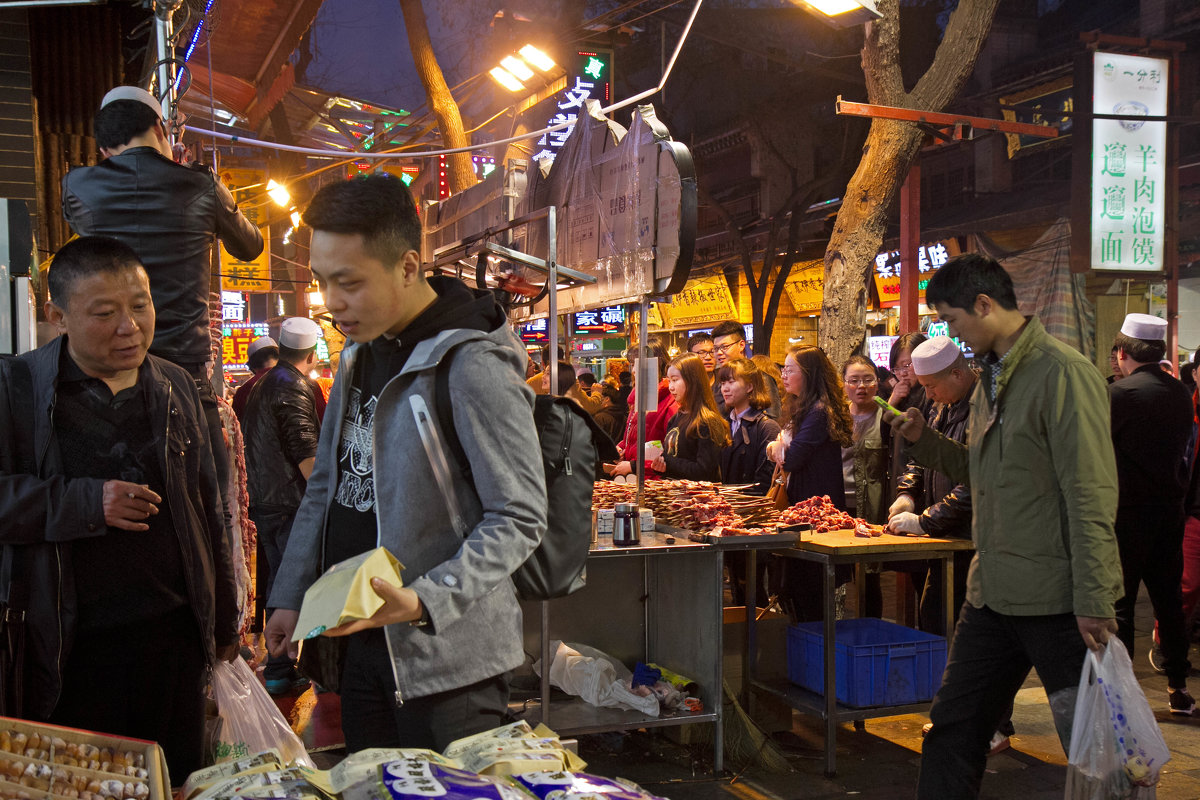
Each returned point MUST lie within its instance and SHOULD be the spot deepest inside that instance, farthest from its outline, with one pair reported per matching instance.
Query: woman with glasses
(817, 426)
(865, 462)
(696, 433)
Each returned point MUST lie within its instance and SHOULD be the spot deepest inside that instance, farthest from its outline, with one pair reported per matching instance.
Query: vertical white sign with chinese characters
(1129, 163)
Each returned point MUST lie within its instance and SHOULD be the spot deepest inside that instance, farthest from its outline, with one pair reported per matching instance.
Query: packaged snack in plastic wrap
(283, 783)
(365, 764)
(417, 778)
(203, 778)
(514, 748)
(561, 785)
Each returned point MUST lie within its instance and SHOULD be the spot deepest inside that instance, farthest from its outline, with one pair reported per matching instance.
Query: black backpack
(573, 446)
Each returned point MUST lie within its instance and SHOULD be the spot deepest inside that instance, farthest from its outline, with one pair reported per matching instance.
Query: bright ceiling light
(278, 193)
(295, 219)
(537, 58)
(506, 79)
(517, 67)
(842, 13)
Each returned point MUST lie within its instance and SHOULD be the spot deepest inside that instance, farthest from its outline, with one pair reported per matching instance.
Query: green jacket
(1043, 481)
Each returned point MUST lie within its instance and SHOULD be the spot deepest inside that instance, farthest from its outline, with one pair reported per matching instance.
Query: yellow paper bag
(344, 592)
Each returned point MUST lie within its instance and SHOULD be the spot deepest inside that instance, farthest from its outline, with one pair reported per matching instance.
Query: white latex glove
(905, 522)
(903, 504)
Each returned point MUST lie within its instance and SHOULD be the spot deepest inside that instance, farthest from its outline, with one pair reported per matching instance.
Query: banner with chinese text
(702, 300)
(930, 257)
(1129, 159)
(805, 286)
(235, 341)
(238, 275)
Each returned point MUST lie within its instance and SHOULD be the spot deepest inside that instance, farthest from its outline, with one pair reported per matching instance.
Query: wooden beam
(872, 111)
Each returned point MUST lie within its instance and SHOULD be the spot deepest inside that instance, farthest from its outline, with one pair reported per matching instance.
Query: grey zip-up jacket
(458, 543)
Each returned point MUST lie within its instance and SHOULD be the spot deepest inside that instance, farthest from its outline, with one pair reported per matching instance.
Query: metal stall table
(656, 602)
(831, 550)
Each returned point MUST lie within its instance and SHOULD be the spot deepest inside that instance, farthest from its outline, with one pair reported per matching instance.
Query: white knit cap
(299, 333)
(934, 355)
(132, 93)
(259, 344)
(1145, 326)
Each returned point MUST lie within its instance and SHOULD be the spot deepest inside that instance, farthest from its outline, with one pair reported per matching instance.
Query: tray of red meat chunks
(821, 516)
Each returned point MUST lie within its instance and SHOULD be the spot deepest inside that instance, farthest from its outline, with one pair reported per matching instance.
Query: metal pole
(164, 32)
(643, 384)
(910, 236)
(552, 296)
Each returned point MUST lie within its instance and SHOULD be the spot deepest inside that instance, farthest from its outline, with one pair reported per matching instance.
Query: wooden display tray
(157, 779)
(833, 541)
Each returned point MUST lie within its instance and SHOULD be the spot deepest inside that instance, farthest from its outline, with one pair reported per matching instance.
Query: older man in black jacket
(108, 516)
(171, 215)
(282, 431)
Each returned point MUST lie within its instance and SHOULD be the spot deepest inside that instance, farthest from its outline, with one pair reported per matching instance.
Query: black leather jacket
(281, 431)
(170, 215)
(41, 514)
(948, 505)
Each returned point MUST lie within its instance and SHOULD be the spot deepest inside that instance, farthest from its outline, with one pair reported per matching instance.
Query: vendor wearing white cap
(1151, 427)
(261, 355)
(171, 215)
(282, 430)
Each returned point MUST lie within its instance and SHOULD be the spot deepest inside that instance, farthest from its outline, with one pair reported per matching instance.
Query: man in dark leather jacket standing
(171, 215)
(109, 516)
(282, 429)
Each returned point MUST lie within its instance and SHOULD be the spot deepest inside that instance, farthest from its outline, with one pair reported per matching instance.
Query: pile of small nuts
(60, 770)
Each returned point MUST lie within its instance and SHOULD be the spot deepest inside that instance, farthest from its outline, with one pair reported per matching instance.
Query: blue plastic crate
(877, 663)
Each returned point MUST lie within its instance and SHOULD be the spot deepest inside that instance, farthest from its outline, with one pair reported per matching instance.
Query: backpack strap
(445, 413)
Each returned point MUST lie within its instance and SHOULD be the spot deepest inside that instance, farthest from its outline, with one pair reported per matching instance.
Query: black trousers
(145, 681)
(274, 528)
(372, 718)
(1150, 540)
(988, 661)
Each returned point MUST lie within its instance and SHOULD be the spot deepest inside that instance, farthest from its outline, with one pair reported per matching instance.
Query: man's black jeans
(989, 660)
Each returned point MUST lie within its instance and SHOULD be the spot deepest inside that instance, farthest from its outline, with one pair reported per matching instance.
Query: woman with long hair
(816, 426)
(696, 433)
(656, 421)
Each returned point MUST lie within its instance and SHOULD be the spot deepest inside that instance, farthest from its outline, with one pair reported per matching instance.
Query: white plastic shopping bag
(250, 722)
(1117, 749)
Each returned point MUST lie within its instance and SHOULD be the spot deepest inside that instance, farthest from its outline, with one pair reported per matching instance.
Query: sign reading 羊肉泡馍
(1129, 163)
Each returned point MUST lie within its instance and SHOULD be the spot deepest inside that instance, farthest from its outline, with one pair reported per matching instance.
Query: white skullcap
(934, 355)
(1144, 326)
(299, 333)
(260, 343)
(132, 93)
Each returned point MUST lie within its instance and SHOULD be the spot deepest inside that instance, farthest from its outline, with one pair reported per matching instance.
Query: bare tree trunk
(888, 153)
(460, 171)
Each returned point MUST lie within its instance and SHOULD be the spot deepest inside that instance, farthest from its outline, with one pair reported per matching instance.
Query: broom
(746, 744)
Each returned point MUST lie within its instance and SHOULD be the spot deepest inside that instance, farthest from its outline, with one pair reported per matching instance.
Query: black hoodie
(352, 512)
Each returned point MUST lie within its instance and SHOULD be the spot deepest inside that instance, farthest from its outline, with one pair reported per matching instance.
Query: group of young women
(832, 439)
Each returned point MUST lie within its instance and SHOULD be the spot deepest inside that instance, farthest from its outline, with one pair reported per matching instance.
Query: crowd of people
(115, 485)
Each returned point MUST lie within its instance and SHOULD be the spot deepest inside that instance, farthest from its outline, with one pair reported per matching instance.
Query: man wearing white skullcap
(282, 430)
(948, 380)
(1046, 573)
(1151, 428)
(171, 215)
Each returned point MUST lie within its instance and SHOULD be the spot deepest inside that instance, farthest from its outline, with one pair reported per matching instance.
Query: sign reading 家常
(600, 321)
(1129, 160)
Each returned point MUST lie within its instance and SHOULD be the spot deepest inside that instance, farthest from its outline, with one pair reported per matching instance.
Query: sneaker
(1156, 658)
(281, 686)
(1181, 702)
(999, 743)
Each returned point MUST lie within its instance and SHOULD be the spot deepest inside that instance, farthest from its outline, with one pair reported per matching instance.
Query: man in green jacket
(1043, 478)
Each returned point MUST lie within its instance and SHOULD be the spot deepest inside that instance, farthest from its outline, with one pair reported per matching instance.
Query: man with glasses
(729, 342)
(701, 344)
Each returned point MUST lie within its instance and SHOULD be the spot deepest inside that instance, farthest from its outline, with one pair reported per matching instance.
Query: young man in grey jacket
(429, 667)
